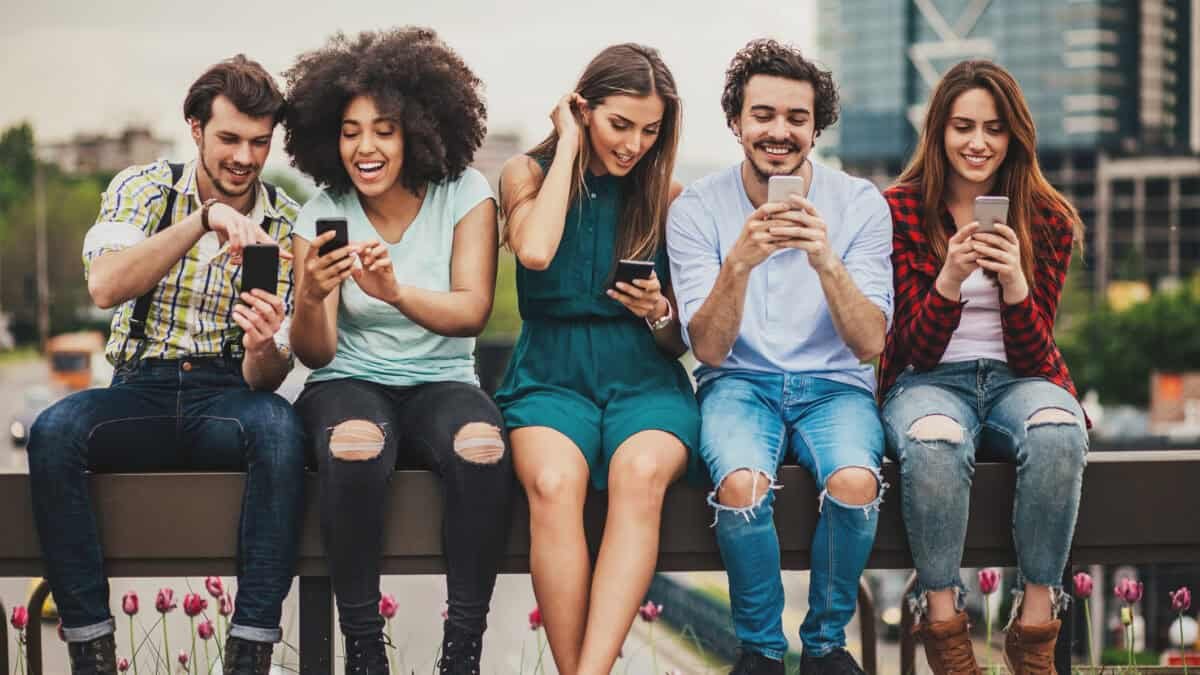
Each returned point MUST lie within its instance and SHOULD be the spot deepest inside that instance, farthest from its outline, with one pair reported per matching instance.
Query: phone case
(260, 268)
(628, 270)
(339, 240)
(778, 190)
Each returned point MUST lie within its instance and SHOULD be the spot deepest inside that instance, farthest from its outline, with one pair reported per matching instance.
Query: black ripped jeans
(419, 425)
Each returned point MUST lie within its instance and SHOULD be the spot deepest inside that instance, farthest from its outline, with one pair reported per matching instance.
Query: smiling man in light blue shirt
(782, 303)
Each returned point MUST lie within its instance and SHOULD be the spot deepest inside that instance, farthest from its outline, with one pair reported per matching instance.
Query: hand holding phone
(628, 270)
(340, 238)
(989, 211)
(260, 268)
(780, 188)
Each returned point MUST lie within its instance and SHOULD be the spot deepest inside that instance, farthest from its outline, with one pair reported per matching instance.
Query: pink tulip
(165, 600)
(214, 586)
(183, 658)
(388, 606)
(205, 629)
(20, 617)
(989, 580)
(535, 619)
(650, 611)
(193, 604)
(122, 664)
(1181, 600)
(1128, 590)
(129, 603)
(226, 608)
(1083, 585)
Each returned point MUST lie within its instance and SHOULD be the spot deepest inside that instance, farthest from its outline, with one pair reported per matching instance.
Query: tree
(16, 169)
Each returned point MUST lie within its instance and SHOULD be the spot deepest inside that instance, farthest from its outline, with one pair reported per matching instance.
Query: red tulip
(650, 611)
(1083, 585)
(1128, 590)
(214, 586)
(165, 600)
(1181, 600)
(388, 606)
(535, 619)
(20, 617)
(989, 580)
(129, 603)
(122, 664)
(193, 604)
(205, 629)
(226, 608)
(183, 657)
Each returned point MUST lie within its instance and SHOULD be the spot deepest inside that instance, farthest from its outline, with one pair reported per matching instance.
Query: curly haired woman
(387, 123)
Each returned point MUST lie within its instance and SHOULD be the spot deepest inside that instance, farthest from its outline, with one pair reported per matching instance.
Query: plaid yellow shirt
(192, 311)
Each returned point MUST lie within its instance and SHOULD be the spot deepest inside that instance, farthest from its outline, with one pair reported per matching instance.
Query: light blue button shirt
(786, 325)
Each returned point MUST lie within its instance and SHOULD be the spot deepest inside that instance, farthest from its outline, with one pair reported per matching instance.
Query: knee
(55, 436)
(479, 443)
(356, 441)
(743, 488)
(935, 428)
(1055, 437)
(553, 486)
(853, 486)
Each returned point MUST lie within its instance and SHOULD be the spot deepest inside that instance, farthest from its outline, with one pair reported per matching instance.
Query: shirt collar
(187, 185)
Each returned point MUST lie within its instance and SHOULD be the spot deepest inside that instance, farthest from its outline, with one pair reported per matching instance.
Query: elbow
(706, 357)
(870, 350)
(533, 259)
(100, 292)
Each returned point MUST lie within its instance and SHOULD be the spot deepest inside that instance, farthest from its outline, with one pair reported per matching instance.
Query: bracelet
(664, 320)
(204, 214)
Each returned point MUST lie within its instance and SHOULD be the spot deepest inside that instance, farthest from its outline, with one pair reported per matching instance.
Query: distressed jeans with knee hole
(451, 428)
(753, 420)
(937, 421)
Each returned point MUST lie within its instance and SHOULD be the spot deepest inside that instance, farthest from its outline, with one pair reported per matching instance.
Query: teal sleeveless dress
(584, 365)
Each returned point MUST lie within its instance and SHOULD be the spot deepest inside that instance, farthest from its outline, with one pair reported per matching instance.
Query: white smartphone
(989, 211)
(780, 187)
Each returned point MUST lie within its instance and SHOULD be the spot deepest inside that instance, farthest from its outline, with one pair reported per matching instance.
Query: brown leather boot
(1029, 649)
(948, 646)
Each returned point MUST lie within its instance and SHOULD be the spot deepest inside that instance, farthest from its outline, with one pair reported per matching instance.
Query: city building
(91, 153)
(1114, 87)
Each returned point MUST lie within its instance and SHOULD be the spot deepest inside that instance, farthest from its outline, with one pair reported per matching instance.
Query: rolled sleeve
(695, 255)
(869, 258)
(129, 211)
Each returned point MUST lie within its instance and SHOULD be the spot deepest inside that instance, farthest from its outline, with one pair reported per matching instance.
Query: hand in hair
(1000, 252)
(565, 117)
(961, 261)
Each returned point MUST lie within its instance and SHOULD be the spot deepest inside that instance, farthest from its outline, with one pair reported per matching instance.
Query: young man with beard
(782, 303)
(194, 375)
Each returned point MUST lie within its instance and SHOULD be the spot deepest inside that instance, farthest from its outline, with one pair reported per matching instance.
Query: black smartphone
(338, 225)
(628, 270)
(260, 267)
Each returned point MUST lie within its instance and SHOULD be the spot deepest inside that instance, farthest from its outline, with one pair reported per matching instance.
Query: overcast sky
(71, 66)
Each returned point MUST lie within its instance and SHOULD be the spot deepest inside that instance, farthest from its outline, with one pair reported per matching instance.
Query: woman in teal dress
(594, 388)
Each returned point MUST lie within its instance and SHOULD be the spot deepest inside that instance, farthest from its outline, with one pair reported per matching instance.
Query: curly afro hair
(768, 57)
(413, 77)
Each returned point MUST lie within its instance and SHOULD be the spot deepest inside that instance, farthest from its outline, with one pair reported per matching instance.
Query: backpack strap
(141, 309)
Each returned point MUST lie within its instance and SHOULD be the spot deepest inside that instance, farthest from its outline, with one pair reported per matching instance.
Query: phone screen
(260, 268)
(628, 270)
(338, 225)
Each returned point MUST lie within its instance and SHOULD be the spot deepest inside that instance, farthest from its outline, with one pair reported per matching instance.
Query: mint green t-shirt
(375, 341)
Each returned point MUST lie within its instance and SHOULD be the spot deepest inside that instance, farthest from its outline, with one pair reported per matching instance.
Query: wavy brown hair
(414, 79)
(629, 70)
(1019, 176)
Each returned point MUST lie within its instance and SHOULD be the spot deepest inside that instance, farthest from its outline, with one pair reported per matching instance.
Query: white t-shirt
(980, 334)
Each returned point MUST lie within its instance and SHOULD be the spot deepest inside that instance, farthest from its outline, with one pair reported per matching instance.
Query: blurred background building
(101, 153)
(1112, 84)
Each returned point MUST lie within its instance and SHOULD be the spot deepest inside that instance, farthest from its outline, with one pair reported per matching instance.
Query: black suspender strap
(141, 309)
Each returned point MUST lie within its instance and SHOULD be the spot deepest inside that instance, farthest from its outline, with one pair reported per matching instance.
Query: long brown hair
(630, 70)
(1019, 176)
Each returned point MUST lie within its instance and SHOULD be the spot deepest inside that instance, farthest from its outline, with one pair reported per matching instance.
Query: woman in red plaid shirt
(971, 363)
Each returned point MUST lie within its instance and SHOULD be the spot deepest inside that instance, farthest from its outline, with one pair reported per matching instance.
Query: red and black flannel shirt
(924, 320)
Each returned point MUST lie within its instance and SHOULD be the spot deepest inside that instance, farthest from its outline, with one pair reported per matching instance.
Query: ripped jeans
(754, 420)
(451, 428)
(936, 420)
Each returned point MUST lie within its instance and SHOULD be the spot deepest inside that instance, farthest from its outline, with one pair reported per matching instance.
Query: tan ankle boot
(1029, 649)
(948, 646)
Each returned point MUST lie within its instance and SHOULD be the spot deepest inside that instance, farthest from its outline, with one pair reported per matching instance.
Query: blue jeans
(753, 420)
(987, 407)
(168, 415)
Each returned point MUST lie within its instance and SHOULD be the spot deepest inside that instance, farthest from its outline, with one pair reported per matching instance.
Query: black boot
(460, 651)
(247, 657)
(753, 663)
(836, 662)
(94, 657)
(366, 656)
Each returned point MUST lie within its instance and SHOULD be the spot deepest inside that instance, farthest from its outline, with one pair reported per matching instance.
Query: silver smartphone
(989, 211)
(780, 187)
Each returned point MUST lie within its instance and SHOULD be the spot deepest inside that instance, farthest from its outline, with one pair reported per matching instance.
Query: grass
(22, 354)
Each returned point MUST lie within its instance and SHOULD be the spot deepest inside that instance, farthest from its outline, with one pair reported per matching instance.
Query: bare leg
(638, 476)
(554, 473)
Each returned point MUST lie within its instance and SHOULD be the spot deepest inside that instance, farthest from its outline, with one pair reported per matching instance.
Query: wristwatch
(204, 213)
(664, 320)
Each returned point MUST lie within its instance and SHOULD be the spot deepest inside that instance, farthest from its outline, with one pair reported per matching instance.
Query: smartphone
(260, 267)
(338, 225)
(628, 270)
(989, 211)
(779, 188)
